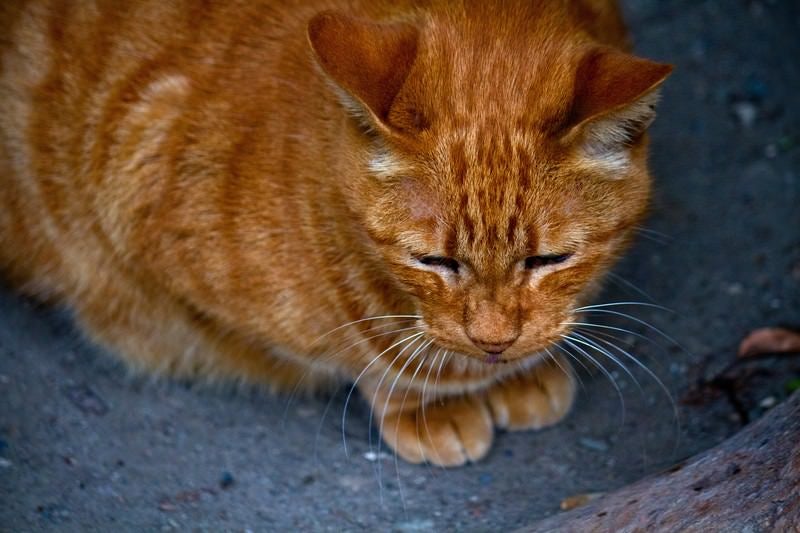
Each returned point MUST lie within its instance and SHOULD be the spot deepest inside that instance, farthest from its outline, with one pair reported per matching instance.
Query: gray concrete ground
(83, 447)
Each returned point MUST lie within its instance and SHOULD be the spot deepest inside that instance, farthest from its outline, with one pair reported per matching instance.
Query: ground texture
(84, 447)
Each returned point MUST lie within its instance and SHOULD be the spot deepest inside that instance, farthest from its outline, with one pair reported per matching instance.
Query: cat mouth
(493, 359)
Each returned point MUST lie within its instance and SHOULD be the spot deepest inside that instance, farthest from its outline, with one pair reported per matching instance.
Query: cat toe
(451, 433)
(534, 400)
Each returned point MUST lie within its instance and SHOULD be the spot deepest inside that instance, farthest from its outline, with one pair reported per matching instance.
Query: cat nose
(491, 327)
(494, 346)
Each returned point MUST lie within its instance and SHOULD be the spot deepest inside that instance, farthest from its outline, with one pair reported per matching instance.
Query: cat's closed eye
(436, 260)
(537, 261)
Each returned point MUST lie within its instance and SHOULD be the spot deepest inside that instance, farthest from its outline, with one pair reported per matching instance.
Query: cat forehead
(482, 155)
(477, 164)
(487, 195)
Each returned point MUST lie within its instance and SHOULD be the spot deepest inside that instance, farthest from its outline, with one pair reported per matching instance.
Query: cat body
(218, 190)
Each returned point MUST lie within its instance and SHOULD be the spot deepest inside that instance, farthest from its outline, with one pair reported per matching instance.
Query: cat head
(502, 176)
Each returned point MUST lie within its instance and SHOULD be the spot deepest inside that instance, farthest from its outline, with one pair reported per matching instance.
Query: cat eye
(536, 261)
(437, 260)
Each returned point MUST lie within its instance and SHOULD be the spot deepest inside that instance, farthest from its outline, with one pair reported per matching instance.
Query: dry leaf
(769, 340)
(567, 504)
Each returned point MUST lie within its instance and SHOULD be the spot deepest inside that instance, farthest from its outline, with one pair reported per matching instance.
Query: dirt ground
(85, 447)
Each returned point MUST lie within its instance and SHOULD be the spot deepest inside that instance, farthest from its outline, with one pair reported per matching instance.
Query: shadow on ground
(83, 447)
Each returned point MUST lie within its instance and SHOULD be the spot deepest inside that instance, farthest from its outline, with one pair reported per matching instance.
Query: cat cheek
(420, 200)
(556, 285)
(422, 284)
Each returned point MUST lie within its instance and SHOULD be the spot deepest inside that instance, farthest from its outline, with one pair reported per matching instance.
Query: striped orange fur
(217, 188)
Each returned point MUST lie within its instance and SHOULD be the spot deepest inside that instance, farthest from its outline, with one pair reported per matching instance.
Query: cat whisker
(367, 339)
(330, 401)
(408, 361)
(328, 405)
(586, 341)
(606, 326)
(381, 317)
(594, 337)
(373, 401)
(572, 356)
(411, 339)
(622, 281)
(602, 369)
(654, 235)
(378, 467)
(577, 360)
(617, 339)
(313, 365)
(423, 358)
(617, 304)
(424, 401)
(588, 326)
(445, 358)
(604, 334)
(657, 237)
(644, 367)
(397, 378)
(642, 322)
(428, 375)
(553, 358)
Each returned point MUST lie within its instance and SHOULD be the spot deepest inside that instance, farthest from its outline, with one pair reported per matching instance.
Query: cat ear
(369, 61)
(615, 99)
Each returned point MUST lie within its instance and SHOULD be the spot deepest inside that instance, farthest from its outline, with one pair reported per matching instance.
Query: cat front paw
(452, 431)
(447, 433)
(535, 399)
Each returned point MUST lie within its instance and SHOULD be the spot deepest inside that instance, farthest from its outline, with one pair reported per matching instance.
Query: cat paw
(533, 400)
(449, 433)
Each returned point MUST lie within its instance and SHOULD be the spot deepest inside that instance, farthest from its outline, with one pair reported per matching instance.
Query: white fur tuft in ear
(614, 103)
(383, 164)
(607, 140)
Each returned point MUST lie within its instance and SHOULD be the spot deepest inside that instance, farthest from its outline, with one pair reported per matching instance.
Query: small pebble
(593, 444)
(86, 399)
(768, 402)
(166, 506)
(306, 412)
(734, 289)
(353, 483)
(414, 525)
(770, 151)
(226, 481)
(372, 456)
(745, 112)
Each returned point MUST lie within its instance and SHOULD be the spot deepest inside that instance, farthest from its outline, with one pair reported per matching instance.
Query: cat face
(498, 235)
(495, 194)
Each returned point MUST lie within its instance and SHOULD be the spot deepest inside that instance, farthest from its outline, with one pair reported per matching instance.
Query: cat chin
(475, 374)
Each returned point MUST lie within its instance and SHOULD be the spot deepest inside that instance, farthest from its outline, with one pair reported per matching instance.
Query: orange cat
(405, 196)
